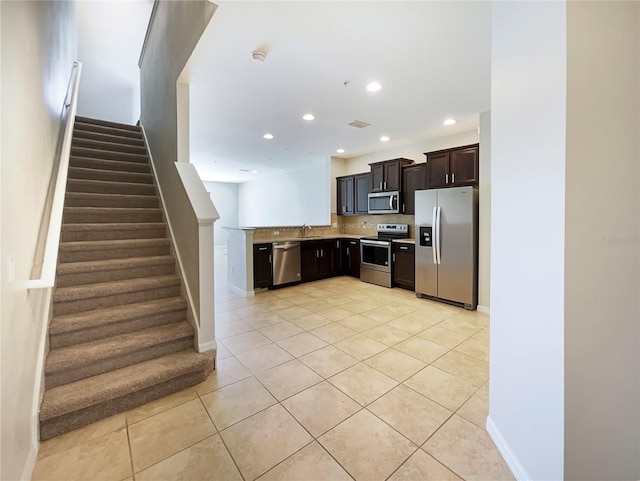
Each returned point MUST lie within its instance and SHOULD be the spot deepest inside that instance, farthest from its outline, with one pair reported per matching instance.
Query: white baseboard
(30, 462)
(509, 456)
(208, 346)
(483, 309)
(242, 292)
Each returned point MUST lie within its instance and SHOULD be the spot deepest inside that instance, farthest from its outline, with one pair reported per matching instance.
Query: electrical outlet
(334, 225)
(276, 232)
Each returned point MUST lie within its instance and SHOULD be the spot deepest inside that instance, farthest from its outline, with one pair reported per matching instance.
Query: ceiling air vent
(359, 124)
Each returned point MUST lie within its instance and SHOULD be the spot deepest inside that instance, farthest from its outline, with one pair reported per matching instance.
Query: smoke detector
(258, 56)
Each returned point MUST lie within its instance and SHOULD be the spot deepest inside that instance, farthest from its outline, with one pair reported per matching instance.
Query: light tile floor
(331, 380)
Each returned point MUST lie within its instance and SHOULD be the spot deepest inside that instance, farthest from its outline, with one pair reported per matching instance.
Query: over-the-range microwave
(384, 202)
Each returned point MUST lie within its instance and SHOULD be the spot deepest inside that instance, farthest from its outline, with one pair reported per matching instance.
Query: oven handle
(375, 243)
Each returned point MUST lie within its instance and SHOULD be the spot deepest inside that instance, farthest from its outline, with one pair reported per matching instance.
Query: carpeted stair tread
(110, 187)
(92, 272)
(90, 135)
(101, 129)
(115, 231)
(90, 199)
(94, 215)
(106, 123)
(110, 146)
(112, 385)
(110, 175)
(108, 155)
(95, 250)
(113, 264)
(100, 317)
(70, 364)
(115, 165)
(111, 244)
(101, 289)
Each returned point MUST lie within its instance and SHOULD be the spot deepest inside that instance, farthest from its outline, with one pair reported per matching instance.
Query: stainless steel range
(375, 253)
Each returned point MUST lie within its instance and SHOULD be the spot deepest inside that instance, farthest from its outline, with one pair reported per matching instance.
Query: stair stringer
(185, 289)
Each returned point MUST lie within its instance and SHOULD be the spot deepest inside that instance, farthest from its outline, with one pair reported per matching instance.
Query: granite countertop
(332, 236)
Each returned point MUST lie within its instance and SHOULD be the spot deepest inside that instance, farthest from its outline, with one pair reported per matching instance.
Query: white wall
(225, 197)
(290, 199)
(528, 99)
(415, 152)
(38, 50)
(110, 36)
(602, 316)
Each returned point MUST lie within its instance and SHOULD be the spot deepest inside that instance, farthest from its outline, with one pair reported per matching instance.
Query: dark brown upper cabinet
(361, 185)
(414, 177)
(353, 194)
(453, 167)
(346, 201)
(386, 176)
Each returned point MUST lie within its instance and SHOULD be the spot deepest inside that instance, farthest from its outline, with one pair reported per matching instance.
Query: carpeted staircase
(119, 335)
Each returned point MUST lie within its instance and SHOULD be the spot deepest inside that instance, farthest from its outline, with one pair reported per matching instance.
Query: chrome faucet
(304, 229)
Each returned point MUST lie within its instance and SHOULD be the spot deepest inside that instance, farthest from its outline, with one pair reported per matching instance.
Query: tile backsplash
(347, 224)
(366, 224)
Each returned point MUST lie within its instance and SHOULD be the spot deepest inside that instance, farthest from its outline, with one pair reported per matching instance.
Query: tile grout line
(219, 433)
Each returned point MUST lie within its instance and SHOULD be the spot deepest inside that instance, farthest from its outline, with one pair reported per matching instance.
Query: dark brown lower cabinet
(351, 257)
(319, 259)
(262, 271)
(404, 265)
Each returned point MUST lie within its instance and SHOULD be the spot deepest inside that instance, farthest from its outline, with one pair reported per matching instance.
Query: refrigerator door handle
(435, 230)
(438, 253)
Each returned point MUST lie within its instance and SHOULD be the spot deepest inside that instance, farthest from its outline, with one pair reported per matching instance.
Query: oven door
(375, 255)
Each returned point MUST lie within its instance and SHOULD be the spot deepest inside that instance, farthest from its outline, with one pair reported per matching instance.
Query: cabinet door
(345, 196)
(309, 253)
(392, 176)
(414, 178)
(262, 272)
(353, 267)
(404, 265)
(329, 258)
(377, 177)
(438, 170)
(362, 185)
(464, 166)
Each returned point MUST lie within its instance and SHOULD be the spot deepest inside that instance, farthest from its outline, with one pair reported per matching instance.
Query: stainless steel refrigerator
(447, 245)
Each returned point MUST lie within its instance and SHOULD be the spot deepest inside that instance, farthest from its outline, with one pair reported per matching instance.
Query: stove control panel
(402, 229)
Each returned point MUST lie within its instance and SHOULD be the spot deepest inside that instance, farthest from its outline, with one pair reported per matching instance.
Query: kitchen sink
(310, 237)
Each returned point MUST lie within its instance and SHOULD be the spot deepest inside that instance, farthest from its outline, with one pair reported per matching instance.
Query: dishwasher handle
(286, 247)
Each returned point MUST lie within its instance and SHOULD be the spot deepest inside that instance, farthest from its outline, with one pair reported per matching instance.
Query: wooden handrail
(50, 258)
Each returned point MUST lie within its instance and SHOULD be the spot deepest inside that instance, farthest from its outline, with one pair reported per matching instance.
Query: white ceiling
(432, 58)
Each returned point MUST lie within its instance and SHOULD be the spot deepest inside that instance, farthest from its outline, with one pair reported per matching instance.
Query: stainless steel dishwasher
(286, 262)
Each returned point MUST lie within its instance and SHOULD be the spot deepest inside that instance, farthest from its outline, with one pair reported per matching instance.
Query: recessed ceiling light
(254, 171)
(340, 151)
(308, 117)
(449, 122)
(268, 136)
(374, 86)
(384, 138)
